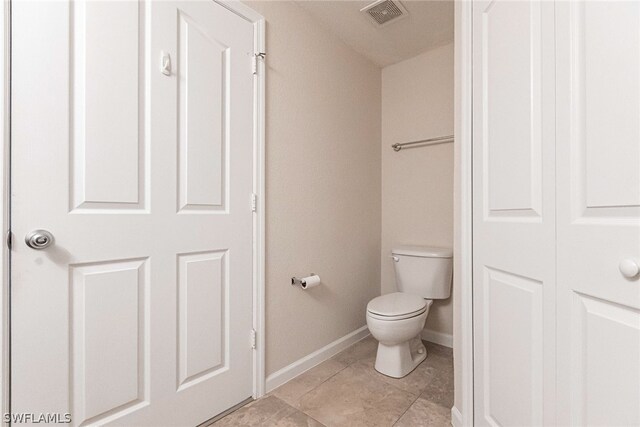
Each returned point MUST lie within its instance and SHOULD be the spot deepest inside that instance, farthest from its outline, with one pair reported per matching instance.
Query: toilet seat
(398, 317)
(397, 306)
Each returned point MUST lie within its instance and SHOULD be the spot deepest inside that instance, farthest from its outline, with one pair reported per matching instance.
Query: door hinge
(253, 338)
(256, 57)
(254, 202)
(9, 239)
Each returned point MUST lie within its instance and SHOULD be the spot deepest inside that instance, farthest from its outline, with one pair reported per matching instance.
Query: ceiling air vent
(384, 12)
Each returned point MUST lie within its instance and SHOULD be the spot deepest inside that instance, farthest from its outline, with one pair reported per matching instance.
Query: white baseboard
(291, 371)
(456, 417)
(438, 338)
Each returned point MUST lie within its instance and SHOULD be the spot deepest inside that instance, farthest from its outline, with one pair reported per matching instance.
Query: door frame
(258, 263)
(259, 137)
(5, 199)
(462, 413)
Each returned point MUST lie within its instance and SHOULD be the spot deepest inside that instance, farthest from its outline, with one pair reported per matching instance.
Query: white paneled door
(132, 144)
(514, 209)
(598, 148)
(556, 95)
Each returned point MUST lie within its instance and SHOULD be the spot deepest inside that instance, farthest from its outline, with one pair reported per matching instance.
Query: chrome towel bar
(424, 142)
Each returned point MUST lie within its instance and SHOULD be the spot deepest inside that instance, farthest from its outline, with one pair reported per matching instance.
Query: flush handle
(395, 258)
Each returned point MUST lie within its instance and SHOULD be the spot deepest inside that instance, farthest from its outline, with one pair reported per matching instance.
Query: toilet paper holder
(301, 282)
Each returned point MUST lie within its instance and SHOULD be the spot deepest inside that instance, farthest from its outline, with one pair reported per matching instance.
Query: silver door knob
(39, 239)
(629, 268)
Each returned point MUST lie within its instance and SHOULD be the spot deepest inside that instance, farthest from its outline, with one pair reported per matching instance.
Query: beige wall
(323, 184)
(417, 183)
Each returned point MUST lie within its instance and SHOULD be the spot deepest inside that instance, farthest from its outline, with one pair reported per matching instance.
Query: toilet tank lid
(422, 251)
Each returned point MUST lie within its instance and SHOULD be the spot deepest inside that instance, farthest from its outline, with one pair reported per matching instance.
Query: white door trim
(245, 12)
(240, 9)
(5, 64)
(462, 412)
(258, 188)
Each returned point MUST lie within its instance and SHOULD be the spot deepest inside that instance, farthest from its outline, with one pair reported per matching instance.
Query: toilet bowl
(396, 320)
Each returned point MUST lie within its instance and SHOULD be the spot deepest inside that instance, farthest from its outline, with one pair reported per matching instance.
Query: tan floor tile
(354, 397)
(439, 389)
(299, 386)
(439, 361)
(255, 413)
(425, 414)
(363, 349)
(291, 418)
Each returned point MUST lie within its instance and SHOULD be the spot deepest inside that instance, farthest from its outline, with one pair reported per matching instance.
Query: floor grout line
(337, 372)
(278, 412)
(284, 409)
(322, 424)
(309, 391)
(405, 411)
(395, 386)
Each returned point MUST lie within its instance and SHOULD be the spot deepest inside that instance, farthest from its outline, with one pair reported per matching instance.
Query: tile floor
(347, 391)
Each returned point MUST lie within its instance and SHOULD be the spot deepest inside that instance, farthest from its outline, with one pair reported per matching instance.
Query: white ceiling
(429, 24)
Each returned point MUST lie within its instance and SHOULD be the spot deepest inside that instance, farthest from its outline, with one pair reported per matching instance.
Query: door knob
(629, 268)
(39, 239)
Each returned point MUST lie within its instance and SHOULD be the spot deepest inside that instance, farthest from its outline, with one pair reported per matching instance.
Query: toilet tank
(423, 270)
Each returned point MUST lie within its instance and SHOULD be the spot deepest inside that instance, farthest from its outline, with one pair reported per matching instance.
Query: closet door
(514, 210)
(598, 221)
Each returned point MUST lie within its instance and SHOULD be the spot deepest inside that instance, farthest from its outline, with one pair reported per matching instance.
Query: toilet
(396, 320)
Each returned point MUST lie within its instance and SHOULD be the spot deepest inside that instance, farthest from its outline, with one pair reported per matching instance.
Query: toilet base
(400, 360)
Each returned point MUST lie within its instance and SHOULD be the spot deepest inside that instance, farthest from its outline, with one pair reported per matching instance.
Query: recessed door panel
(514, 324)
(512, 103)
(607, 124)
(204, 114)
(605, 393)
(202, 311)
(107, 103)
(109, 335)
